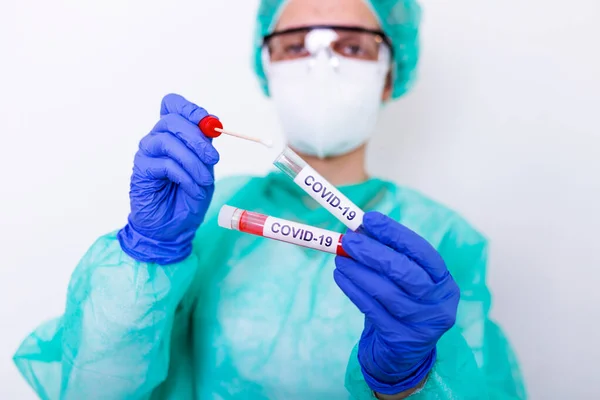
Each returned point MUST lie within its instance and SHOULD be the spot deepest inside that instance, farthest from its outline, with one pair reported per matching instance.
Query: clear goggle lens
(349, 42)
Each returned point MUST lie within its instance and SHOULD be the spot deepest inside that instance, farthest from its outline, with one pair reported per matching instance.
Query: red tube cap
(208, 124)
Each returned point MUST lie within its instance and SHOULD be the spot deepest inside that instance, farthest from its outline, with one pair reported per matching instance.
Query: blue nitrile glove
(401, 284)
(171, 186)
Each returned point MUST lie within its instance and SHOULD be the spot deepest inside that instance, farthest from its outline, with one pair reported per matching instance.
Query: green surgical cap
(399, 19)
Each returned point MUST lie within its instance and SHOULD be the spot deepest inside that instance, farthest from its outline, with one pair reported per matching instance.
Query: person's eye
(295, 49)
(353, 50)
(357, 49)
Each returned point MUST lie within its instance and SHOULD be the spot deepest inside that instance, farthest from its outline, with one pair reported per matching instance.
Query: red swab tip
(208, 124)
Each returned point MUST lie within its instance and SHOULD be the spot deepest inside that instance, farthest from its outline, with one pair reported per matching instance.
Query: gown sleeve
(114, 340)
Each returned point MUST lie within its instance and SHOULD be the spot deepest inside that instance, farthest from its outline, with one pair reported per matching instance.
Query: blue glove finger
(404, 272)
(393, 299)
(176, 104)
(365, 303)
(164, 144)
(403, 240)
(190, 135)
(168, 169)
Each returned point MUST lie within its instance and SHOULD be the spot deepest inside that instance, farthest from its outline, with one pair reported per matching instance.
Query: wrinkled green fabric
(246, 317)
(399, 19)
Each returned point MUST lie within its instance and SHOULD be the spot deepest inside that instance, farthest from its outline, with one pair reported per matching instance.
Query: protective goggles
(347, 41)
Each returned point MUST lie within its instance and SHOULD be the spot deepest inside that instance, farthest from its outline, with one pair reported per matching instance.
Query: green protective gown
(246, 317)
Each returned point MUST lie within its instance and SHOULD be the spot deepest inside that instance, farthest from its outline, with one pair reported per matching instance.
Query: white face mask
(327, 104)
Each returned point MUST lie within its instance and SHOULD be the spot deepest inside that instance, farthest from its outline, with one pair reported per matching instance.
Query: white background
(503, 126)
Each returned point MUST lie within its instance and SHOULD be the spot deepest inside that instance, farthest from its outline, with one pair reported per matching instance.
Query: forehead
(327, 12)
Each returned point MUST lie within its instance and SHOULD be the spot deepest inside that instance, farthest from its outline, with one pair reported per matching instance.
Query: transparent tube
(290, 163)
(317, 187)
(281, 230)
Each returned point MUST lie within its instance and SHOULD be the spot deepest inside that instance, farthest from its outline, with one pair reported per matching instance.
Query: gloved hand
(401, 284)
(171, 186)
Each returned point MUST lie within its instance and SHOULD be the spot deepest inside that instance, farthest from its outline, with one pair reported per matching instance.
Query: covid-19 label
(329, 197)
(302, 235)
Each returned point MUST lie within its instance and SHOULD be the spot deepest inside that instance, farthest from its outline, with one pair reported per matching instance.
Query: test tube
(281, 229)
(319, 189)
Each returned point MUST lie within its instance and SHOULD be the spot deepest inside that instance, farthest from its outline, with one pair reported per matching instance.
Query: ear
(387, 89)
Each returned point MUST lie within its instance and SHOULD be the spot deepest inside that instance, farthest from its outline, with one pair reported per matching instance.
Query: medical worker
(173, 307)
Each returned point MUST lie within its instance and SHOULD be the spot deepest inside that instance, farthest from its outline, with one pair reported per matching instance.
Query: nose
(325, 57)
